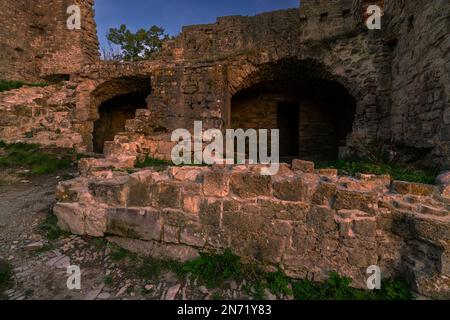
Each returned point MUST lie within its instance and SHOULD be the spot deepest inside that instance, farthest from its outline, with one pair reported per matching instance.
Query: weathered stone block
(321, 219)
(112, 192)
(298, 188)
(418, 189)
(135, 223)
(192, 204)
(166, 195)
(325, 193)
(210, 212)
(247, 185)
(303, 166)
(215, 184)
(194, 234)
(365, 227)
(139, 194)
(171, 234)
(360, 200)
(71, 217)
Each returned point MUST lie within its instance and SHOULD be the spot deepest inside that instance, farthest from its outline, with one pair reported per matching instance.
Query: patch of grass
(278, 283)
(338, 288)
(51, 229)
(151, 162)
(5, 276)
(397, 171)
(30, 156)
(217, 297)
(11, 85)
(213, 270)
(153, 268)
(120, 254)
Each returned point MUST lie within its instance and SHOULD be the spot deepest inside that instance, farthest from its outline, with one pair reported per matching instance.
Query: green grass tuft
(395, 170)
(11, 85)
(30, 156)
(338, 288)
(51, 229)
(150, 162)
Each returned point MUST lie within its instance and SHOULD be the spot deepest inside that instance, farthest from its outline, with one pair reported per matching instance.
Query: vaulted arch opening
(313, 111)
(116, 101)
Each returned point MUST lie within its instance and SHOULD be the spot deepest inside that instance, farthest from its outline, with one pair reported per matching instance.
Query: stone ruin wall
(398, 77)
(308, 222)
(341, 222)
(35, 43)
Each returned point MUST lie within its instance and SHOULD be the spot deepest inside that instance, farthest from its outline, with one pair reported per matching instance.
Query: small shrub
(108, 280)
(11, 85)
(51, 229)
(30, 156)
(279, 283)
(120, 254)
(213, 270)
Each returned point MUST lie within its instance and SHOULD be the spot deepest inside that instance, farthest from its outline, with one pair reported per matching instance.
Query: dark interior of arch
(115, 111)
(314, 115)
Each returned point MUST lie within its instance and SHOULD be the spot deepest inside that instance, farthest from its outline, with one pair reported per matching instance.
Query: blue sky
(173, 14)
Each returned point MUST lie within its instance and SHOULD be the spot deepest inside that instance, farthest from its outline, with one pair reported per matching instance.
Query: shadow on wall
(314, 115)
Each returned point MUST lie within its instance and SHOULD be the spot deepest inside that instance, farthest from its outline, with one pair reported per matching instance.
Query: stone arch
(113, 103)
(314, 108)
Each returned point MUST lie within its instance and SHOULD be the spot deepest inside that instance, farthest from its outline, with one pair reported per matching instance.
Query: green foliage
(11, 85)
(338, 288)
(151, 162)
(51, 229)
(278, 283)
(120, 254)
(152, 268)
(30, 156)
(397, 171)
(139, 45)
(108, 280)
(213, 270)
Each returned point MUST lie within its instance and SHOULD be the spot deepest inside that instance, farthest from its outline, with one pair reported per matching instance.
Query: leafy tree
(139, 45)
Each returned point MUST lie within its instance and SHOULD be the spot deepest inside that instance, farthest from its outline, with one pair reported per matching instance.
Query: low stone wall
(307, 222)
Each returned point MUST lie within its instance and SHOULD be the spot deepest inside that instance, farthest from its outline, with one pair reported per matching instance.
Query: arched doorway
(116, 101)
(313, 112)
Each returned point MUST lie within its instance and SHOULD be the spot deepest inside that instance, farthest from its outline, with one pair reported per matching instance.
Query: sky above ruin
(173, 14)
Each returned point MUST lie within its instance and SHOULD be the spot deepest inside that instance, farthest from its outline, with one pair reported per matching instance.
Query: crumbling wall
(35, 42)
(42, 116)
(418, 36)
(307, 222)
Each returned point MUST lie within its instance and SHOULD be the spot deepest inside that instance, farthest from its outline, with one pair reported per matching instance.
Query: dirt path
(40, 264)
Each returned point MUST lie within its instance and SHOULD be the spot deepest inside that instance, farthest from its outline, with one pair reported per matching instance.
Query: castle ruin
(316, 72)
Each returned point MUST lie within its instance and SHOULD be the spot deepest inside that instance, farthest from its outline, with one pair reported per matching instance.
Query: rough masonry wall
(42, 116)
(418, 32)
(35, 42)
(308, 223)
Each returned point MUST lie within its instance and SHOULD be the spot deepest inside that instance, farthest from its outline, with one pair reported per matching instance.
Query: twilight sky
(173, 14)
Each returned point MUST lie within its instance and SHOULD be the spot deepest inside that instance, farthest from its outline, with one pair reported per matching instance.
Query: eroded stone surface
(308, 228)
